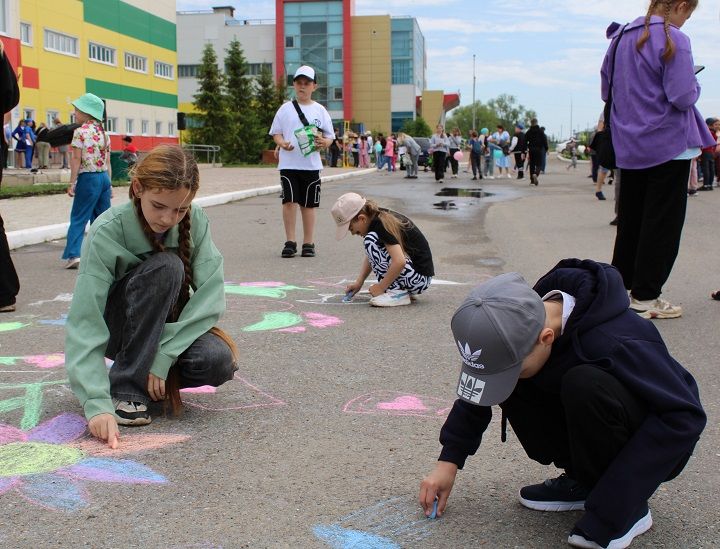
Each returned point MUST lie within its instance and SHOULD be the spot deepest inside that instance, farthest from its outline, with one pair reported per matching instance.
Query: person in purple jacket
(586, 385)
(654, 91)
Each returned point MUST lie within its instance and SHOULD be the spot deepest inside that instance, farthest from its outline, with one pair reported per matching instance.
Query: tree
(244, 139)
(501, 110)
(417, 127)
(267, 102)
(209, 102)
(508, 112)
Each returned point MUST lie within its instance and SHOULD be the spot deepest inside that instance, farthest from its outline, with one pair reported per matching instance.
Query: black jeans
(651, 215)
(582, 429)
(476, 164)
(9, 283)
(439, 159)
(535, 160)
(707, 162)
(451, 160)
(520, 164)
(136, 312)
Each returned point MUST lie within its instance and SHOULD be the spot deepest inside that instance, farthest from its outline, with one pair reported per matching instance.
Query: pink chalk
(407, 402)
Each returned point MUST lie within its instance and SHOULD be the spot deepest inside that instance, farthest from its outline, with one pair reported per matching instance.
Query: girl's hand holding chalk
(348, 296)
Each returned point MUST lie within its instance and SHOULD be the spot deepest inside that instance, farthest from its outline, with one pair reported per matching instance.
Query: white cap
(307, 72)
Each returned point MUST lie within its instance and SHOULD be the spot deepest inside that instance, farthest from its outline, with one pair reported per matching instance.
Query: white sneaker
(489, 177)
(391, 298)
(655, 308)
(509, 176)
(72, 263)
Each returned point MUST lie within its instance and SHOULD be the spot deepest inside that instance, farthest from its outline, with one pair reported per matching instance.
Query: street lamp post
(473, 98)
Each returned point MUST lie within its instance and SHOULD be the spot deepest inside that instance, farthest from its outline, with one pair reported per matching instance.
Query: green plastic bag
(306, 139)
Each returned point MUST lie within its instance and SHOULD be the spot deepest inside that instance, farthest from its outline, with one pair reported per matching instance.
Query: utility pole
(474, 127)
(571, 117)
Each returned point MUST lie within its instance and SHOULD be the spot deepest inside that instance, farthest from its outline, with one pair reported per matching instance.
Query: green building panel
(133, 22)
(118, 92)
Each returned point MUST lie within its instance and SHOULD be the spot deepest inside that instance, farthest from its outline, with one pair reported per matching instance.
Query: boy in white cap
(300, 129)
(586, 384)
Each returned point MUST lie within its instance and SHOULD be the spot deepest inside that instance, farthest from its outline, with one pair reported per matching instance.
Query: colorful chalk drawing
(393, 403)
(28, 398)
(275, 290)
(59, 297)
(49, 464)
(390, 524)
(238, 394)
(12, 326)
(56, 322)
(288, 322)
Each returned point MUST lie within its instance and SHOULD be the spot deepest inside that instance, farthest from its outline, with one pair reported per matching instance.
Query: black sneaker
(308, 250)
(638, 525)
(290, 249)
(555, 494)
(131, 413)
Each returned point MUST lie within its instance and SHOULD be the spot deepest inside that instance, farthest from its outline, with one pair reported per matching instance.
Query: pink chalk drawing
(394, 403)
(267, 284)
(238, 394)
(319, 320)
(52, 360)
(49, 464)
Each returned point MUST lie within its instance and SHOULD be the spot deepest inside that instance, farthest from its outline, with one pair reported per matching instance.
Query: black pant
(439, 159)
(651, 214)
(707, 163)
(582, 429)
(334, 153)
(451, 160)
(535, 161)
(9, 283)
(520, 164)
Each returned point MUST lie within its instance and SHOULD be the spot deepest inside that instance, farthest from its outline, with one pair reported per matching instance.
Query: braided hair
(169, 167)
(653, 9)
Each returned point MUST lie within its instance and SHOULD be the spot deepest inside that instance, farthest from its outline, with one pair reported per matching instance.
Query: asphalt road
(333, 419)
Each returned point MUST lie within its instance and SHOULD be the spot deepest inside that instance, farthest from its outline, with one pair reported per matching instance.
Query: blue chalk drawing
(58, 322)
(389, 524)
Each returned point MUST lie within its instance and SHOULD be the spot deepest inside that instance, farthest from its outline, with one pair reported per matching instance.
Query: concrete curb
(37, 235)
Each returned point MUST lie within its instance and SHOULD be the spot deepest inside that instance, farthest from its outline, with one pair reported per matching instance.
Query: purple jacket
(653, 117)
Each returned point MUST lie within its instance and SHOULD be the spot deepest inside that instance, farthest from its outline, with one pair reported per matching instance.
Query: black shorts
(301, 186)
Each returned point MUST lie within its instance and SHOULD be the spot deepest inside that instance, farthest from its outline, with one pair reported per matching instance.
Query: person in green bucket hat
(89, 173)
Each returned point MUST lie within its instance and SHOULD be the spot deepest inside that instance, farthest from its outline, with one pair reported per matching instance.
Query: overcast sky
(547, 53)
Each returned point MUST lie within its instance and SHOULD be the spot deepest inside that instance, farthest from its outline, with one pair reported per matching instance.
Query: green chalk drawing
(10, 326)
(9, 360)
(30, 402)
(31, 458)
(274, 321)
(275, 292)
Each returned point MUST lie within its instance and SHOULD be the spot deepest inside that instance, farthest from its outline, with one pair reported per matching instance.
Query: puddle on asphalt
(475, 192)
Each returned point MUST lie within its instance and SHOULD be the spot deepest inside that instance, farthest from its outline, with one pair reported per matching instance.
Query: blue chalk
(434, 511)
(348, 297)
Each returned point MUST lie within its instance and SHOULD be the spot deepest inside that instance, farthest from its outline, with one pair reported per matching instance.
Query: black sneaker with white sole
(638, 525)
(555, 494)
(131, 413)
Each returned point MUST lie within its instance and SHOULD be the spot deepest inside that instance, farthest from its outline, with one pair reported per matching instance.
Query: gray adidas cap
(495, 328)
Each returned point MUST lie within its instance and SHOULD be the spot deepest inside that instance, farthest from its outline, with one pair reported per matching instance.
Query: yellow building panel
(371, 67)
(432, 107)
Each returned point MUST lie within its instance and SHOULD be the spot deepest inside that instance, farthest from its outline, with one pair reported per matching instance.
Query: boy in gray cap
(586, 384)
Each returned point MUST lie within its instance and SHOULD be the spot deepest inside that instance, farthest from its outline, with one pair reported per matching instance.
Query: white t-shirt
(286, 121)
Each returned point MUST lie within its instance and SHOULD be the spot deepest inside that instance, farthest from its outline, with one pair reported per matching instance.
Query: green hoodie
(115, 245)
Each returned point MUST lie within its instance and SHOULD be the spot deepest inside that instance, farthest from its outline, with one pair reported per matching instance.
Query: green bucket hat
(90, 104)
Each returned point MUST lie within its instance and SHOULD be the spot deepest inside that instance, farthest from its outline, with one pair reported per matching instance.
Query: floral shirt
(94, 146)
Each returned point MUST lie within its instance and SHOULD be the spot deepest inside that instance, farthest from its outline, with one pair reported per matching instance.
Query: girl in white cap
(395, 250)
(89, 173)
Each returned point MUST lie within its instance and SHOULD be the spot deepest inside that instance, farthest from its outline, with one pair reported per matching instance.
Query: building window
(255, 69)
(163, 70)
(72, 117)
(101, 54)
(135, 63)
(158, 128)
(129, 124)
(144, 125)
(111, 125)
(50, 118)
(402, 71)
(171, 128)
(289, 41)
(337, 94)
(61, 43)
(28, 113)
(188, 71)
(337, 54)
(26, 33)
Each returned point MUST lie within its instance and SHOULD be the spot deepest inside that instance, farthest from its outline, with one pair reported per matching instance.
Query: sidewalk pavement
(41, 218)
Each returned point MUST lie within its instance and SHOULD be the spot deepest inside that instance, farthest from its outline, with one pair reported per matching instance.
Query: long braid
(669, 51)
(645, 36)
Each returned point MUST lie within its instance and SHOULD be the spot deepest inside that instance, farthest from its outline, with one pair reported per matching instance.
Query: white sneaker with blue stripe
(391, 298)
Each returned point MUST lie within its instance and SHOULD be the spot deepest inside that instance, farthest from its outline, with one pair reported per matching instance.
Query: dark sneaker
(290, 249)
(555, 494)
(308, 250)
(637, 526)
(600, 195)
(131, 413)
